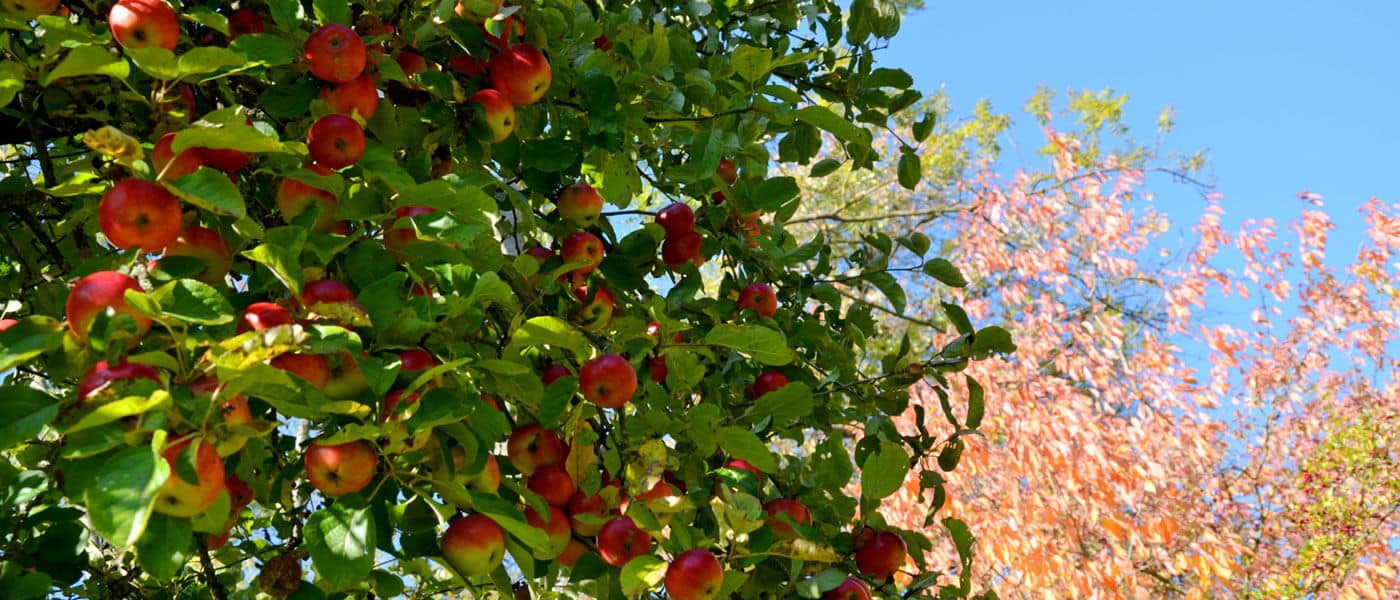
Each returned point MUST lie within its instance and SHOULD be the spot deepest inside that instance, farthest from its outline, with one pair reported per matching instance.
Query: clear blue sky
(1287, 96)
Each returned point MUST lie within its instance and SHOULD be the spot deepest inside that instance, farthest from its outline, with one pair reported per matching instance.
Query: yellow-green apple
(245, 21)
(759, 297)
(137, 213)
(489, 479)
(540, 254)
(850, 589)
(184, 499)
(336, 141)
(580, 204)
(311, 367)
(336, 53)
(496, 111)
(521, 72)
(620, 541)
(357, 95)
(879, 554)
(474, 545)
(608, 381)
(294, 197)
(681, 248)
(341, 469)
(170, 166)
(144, 24)
(98, 292)
(553, 484)
(676, 218)
(786, 506)
(585, 248)
(264, 315)
(346, 381)
(477, 11)
(555, 528)
(103, 377)
(595, 315)
(208, 247)
(533, 446)
(694, 575)
(29, 9)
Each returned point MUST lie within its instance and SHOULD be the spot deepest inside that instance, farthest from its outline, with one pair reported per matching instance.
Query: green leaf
(341, 542)
(976, 403)
(992, 339)
(208, 59)
(883, 471)
(548, 331)
(910, 169)
(211, 190)
(945, 272)
(156, 62)
(281, 253)
(510, 519)
(822, 118)
(193, 302)
(331, 11)
(924, 126)
(228, 136)
(751, 62)
(742, 443)
(118, 409)
(642, 574)
(958, 316)
(24, 411)
(288, 14)
(890, 287)
(165, 547)
(120, 503)
(12, 77)
(893, 78)
(764, 345)
(88, 60)
(27, 339)
(789, 403)
(556, 400)
(825, 581)
(825, 166)
(951, 454)
(775, 192)
(265, 49)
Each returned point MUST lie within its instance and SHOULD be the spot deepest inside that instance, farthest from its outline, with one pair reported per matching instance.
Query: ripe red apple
(474, 545)
(414, 360)
(244, 21)
(553, 484)
(400, 234)
(325, 291)
(144, 24)
(532, 446)
(391, 404)
(208, 247)
(468, 65)
(767, 382)
(759, 297)
(656, 367)
(584, 247)
(101, 375)
(98, 292)
(850, 589)
(264, 315)
(336, 141)
(497, 111)
(580, 204)
(342, 468)
(239, 494)
(29, 9)
(608, 381)
(786, 506)
(170, 166)
(682, 248)
(602, 43)
(357, 95)
(185, 499)
(745, 465)
(477, 11)
(411, 63)
(311, 367)
(662, 489)
(137, 213)
(556, 529)
(676, 218)
(727, 171)
(294, 197)
(694, 575)
(572, 553)
(620, 541)
(583, 504)
(336, 53)
(552, 373)
(880, 554)
(521, 73)
(235, 410)
(512, 26)
(595, 315)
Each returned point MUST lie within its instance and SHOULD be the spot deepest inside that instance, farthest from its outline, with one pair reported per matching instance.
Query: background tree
(324, 288)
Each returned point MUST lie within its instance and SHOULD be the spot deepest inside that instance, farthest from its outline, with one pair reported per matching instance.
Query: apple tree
(316, 299)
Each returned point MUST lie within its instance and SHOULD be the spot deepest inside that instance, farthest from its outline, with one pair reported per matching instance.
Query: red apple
(608, 381)
(521, 73)
(540, 254)
(676, 218)
(552, 373)
(235, 410)
(880, 554)
(325, 291)
(682, 248)
(170, 166)
(474, 545)
(595, 315)
(468, 65)
(98, 292)
(391, 404)
(583, 504)
(580, 204)
(786, 506)
(556, 529)
(336, 53)
(29, 9)
(767, 382)
(532, 446)
(264, 315)
(294, 197)
(244, 22)
(602, 43)
(414, 360)
(336, 141)
(489, 479)
(583, 247)
(227, 160)
(239, 494)
(620, 541)
(694, 575)
(572, 553)
(741, 464)
(497, 112)
(208, 247)
(656, 366)
(401, 233)
(144, 24)
(137, 213)
(759, 297)
(850, 589)
(727, 171)
(184, 499)
(357, 95)
(553, 484)
(342, 468)
(102, 375)
(311, 367)
(512, 26)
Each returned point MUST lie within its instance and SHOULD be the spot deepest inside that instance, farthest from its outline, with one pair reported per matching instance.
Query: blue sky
(1287, 96)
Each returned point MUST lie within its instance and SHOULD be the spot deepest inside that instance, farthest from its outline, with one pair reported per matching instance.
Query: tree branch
(210, 578)
(934, 212)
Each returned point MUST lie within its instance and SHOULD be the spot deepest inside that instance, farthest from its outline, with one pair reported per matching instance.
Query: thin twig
(210, 578)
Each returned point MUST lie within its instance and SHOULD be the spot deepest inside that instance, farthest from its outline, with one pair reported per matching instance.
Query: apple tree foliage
(646, 100)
